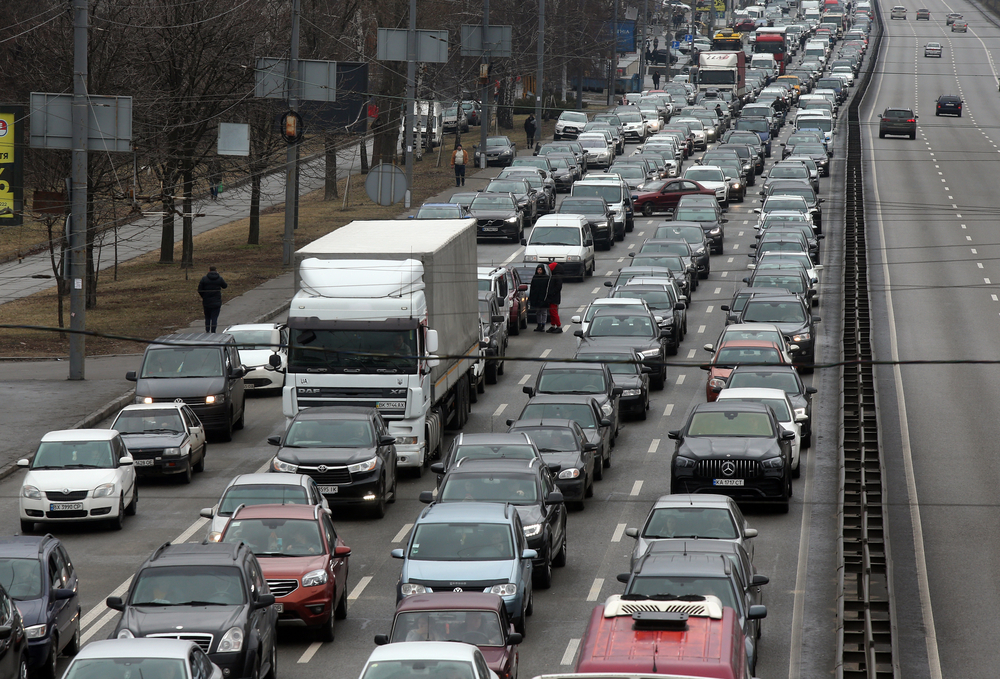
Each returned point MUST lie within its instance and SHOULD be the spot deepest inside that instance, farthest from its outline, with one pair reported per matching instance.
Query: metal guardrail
(864, 635)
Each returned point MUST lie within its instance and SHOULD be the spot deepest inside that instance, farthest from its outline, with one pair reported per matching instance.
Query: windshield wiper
(259, 554)
(84, 466)
(201, 603)
(551, 450)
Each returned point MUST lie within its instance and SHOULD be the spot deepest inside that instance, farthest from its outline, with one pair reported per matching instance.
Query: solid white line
(668, 410)
(524, 380)
(636, 487)
(653, 445)
(680, 379)
(105, 619)
(570, 653)
(359, 588)
(310, 652)
(499, 411)
(100, 608)
(799, 598)
(546, 353)
(619, 532)
(595, 589)
(403, 532)
(192, 529)
(519, 251)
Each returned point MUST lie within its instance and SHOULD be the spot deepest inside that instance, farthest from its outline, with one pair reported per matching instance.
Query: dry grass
(150, 299)
(29, 237)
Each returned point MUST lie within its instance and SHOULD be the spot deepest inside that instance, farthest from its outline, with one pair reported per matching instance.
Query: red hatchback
(736, 352)
(304, 562)
(663, 195)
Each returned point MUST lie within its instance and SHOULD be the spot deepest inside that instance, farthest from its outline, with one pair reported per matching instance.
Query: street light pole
(411, 96)
(291, 153)
(539, 76)
(78, 219)
(613, 89)
(484, 124)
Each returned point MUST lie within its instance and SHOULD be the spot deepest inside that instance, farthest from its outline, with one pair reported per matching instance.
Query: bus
(772, 40)
(727, 40)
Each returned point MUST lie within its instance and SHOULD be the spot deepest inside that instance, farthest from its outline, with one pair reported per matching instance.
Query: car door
(235, 384)
(61, 611)
(8, 651)
(554, 514)
(588, 245)
(263, 620)
(338, 565)
(125, 473)
(387, 452)
(196, 432)
(669, 194)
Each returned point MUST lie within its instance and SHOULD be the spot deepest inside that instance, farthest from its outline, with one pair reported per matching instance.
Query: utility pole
(411, 96)
(612, 91)
(642, 46)
(78, 219)
(541, 68)
(484, 125)
(291, 154)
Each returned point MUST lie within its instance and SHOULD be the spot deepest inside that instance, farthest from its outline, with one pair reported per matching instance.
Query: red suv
(303, 559)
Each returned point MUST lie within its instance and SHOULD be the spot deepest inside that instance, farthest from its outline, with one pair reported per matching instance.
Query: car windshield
(667, 262)
(539, 163)
(126, 668)
(332, 433)
(250, 495)
(256, 340)
(703, 174)
(782, 259)
(479, 628)
(553, 439)
(572, 381)
(573, 116)
(488, 202)
(788, 172)
(763, 311)
(438, 213)
(695, 214)
(790, 283)
(555, 235)
(462, 542)
(691, 234)
(74, 455)
(730, 423)
(464, 199)
(815, 123)
(620, 326)
(166, 421)
(182, 361)
(782, 203)
(629, 171)
(276, 537)
(581, 413)
(506, 186)
(690, 522)
(655, 299)
(593, 143)
(778, 405)
(737, 331)
(810, 149)
(517, 489)
(737, 355)
(497, 141)
(781, 246)
(630, 117)
(487, 452)
(431, 669)
(559, 163)
(753, 125)
(199, 585)
(582, 207)
(680, 586)
(21, 578)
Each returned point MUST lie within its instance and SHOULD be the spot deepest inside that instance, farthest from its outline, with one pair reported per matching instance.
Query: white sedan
(256, 343)
(78, 475)
(711, 177)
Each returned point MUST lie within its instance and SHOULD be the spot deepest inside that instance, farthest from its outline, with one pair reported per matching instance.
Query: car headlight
(214, 536)
(699, 251)
(532, 529)
(215, 398)
(574, 258)
(802, 337)
(282, 466)
(684, 462)
(232, 641)
(406, 440)
(632, 392)
(31, 493)
(104, 490)
(508, 589)
(606, 409)
(573, 473)
(716, 231)
(716, 383)
(362, 467)
(736, 185)
(603, 223)
(649, 353)
(125, 633)
(171, 452)
(800, 412)
(143, 399)
(409, 589)
(35, 631)
(511, 220)
(313, 578)
(773, 463)
(530, 258)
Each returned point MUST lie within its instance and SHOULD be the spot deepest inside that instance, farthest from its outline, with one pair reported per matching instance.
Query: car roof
(789, 297)
(740, 342)
(572, 366)
(488, 438)
(751, 392)
(465, 512)
(141, 647)
(441, 205)
(547, 423)
(693, 500)
(195, 554)
(335, 413)
(80, 435)
(744, 406)
(490, 465)
(254, 326)
(704, 565)
(194, 338)
(27, 546)
(162, 405)
(276, 511)
(561, 398)
(462, 601)
(424, 650)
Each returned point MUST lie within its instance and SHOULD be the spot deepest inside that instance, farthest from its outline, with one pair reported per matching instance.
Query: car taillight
(912, 120)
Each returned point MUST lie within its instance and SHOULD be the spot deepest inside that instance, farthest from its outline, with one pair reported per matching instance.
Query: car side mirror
(524, 241)
(529, 554)
(749, 533)
(607, 284)
(426, 496)
(523, 287)
(646, 370)
(801, 417)
(709, 348)
(816, 319)
(274, 440)
(530, 391)
(787, 435)
(623, 578)
(24, 463)
(387, 440)
(588, 447)
(757, 612)
(554, 498)
(115, 603)
(497, 319)
(811, 390)
(514, 638)
(632, 533)
(396, 554)
(437, 468)
(674, 434)
(617, 391)
(342, 551)
(63, 594)
(664, 334)
(126, 461)
(207, 513)
(605, 422)
(264, 600)
(381, 639)
(725, 307)
(578, 333)
(130, 376)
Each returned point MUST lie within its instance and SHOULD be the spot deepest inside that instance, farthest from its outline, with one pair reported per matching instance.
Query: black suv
(494, 332)
(563, 444)
(581, 408)
(526, 484)
(628, 373)
(794, 319)
(735, 449)
(581, 378)
(781, 377)
(598, 215)
(949, 103)
(37, 574)
(901, 121)
(624, 328)
(212, 594)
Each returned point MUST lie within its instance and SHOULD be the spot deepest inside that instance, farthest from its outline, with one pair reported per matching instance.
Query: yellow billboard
(11, 189)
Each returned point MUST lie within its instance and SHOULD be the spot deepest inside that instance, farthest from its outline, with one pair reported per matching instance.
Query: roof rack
(158, 552)
(707, 607)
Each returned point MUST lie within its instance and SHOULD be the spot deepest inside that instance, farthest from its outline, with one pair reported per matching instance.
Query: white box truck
(376, 303)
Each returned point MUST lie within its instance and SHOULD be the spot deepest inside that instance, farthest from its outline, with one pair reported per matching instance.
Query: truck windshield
(720, 77)
(325, 350)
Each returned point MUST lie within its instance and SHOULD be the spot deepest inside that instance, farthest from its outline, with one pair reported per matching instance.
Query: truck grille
(337, 476)
(744, 469)
(204, 641)
(71, 496)
(280, 588)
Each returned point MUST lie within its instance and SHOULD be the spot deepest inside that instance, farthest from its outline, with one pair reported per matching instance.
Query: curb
(273, 313)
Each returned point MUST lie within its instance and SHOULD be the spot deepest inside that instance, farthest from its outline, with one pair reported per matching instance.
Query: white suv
(569, 125)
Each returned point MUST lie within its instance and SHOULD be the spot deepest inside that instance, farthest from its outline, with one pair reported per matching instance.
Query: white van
(428, 123)
(815, 52)
(766, 63)
(615, 194)
(816, 120)
(562, 238)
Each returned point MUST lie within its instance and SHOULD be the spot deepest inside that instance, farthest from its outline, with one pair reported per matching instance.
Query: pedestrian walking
(656, 80)
(459, 159)
(214, 180)
(554, 297)
(530, 127)
(538, 293)
(210, 288)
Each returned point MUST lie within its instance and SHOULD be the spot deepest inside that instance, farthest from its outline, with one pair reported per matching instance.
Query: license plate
(280, 608)
(727, 482)
(65, 506)
(392, 405)
(142, 463)
(248, 386)
(491, 228)
(329, 490)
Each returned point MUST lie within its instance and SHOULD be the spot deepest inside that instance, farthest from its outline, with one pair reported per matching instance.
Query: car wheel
(647, 210)
(325, 631)
(73, 647)
(188, 474)
(913, 135)
(340, 612)
(378, 509)
(256, 670)
(797, 469)
(227, 431)
(27, 527)
(589, 490)
(606, 462)
(514, 328)
(48, 670)
(119, 520)
(200, 467)
(658, 382)
(529, 610)
(543, 575)
(599, 469)
(560, 559)
(22, 668)
(807, 441)
(272, 672)
(392, 491)
(881, 134)
(133, 506)
(672, 351)
(481, 387)
(491, 372)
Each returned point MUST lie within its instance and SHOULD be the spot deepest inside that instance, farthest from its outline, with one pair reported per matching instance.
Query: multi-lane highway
(931, 215)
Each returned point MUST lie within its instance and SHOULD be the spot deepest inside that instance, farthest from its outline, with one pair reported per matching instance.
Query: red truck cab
(693, 636)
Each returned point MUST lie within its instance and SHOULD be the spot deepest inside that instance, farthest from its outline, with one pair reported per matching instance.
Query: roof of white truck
(388, 236)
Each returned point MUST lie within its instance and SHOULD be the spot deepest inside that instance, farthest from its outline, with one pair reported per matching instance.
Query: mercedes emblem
(728, 468)
(458, 589)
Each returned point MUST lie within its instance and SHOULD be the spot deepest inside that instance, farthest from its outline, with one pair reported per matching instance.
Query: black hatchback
(949, 104)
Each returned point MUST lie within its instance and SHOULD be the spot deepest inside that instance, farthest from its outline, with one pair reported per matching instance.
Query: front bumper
(214, 416)
(87, 509)
(495, 228)
(573, 490)
(308, 605)
(761, 489)
(260, 378)
(233, 665)
(631, 404)
(158, 465)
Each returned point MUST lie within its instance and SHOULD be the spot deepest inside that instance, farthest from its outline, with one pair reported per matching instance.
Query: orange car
(303, 559)
(734, 352)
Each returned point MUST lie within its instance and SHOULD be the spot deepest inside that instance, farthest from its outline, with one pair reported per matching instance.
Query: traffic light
(292, 127)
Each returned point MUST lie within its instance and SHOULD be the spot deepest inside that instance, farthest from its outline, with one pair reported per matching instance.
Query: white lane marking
(668, 410)
(653, 445)
(691, 353)
(517, 253)
(196, 526)
(639, 235)
(524, 380)
(631, 245)
(581, 309)
(680, 379)
(499, 411)
(995, 298)
(100, 608)
(725, 274)
(619, 532)
(403, 532)
(974, 252)
(731, 260)
(736, 246)
(968, 238)
(964, 226)
(799, 598)
(359, 588)
(595, 291)
(979, 264)
(636, 487)
(987, 281)
(105, 619)
(308, 654)
(747, 221)
(570, 653)
(959, 215)
(610, 273)
(545, 354)
(709, 309)
(595, 589)
(701, 329)
(740, 233)
(717, 291)
(621, 259)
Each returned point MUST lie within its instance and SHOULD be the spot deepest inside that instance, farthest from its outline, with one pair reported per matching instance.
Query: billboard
(626, 35)
(11, 165)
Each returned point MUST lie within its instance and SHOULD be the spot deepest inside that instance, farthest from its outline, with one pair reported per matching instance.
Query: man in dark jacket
(530, 127)
(210, 288)
(555, 297)
(538, 292)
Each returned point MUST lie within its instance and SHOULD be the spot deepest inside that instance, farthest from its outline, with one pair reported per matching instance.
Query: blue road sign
(675, 44)
(688, 38)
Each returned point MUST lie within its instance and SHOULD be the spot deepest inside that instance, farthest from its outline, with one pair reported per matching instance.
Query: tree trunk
(187, 250)
(57, 269)
(505, 104)
(167, 234)
(330, 191)
(364, 153)
(253, 237)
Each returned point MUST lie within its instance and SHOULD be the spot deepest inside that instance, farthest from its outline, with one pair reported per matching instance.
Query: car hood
(290, 567)
(215, 620)
(705, 447)
(74, 479)
(626, 381)
(143, 441)
(564, 460)
(327, 456)
(495, 656)
(32, 611)
(480, 213)
(553, 251)
(530, 514)
(459, 571)
(180, 387)
(254, 358)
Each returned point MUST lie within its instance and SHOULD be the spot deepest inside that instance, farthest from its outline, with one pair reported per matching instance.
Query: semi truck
(386, 315)
(723, 71)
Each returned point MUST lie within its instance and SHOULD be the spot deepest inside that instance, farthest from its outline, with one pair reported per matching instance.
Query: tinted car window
(22, 578)
(581, 413)
(730, 423)
(181, 585)
(520, 489)
(462, 542)
(682, 522)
